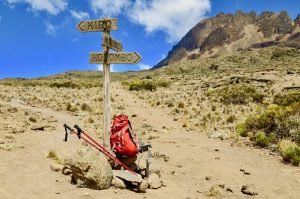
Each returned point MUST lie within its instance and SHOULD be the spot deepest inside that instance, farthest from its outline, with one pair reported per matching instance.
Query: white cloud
(144, 66)
(108, 7)
(51, 29)
(112, 68)
(79, 14)
(51, 6)
(99, 67)
(174, 18)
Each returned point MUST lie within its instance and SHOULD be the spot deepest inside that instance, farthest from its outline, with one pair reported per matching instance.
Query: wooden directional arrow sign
(111, 43)
(115, 58)
(98, 25)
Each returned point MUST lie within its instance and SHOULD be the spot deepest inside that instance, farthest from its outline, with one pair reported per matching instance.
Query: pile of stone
(91, 169)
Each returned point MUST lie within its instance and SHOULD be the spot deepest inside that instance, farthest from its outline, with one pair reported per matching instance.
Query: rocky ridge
(229, 33)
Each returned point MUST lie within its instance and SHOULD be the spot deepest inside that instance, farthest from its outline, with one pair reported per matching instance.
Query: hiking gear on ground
(95, 144)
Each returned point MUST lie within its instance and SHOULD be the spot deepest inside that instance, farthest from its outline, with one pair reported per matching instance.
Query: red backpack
(122, 139)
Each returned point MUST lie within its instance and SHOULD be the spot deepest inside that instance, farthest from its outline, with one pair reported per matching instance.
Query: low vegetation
(240, 94)
(276, 124)
(148, 85)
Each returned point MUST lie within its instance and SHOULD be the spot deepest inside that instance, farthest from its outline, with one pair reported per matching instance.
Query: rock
(249, 190)
(142, 187)
(154, 181)
(56, 167)
(118, 183)
(1, 142)
(17, 130)
(90, 169)
(66, 171)
(247, 173)
(208, 178)
(229, 189)
(156, 171)
(38, 128)
(222, 185)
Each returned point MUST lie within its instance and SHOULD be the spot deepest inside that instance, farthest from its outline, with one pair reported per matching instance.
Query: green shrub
(286, 99)
(68, 106)
(290, 151)
(150, 85)
(141, 85)
(283, 122)
(261, 139)
(181, 105)
(240, 94)
(85, 107)
(231, 119)
(282, 52)
(209, 92)
(242, 130)
(64, 84)
(163, 83)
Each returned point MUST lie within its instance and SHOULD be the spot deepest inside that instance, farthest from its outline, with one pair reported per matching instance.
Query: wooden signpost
(106, 58)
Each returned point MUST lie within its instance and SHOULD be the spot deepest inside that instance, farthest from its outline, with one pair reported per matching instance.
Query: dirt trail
(25, 173)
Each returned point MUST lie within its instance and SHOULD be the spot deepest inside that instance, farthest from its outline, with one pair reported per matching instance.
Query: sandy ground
(194, 163)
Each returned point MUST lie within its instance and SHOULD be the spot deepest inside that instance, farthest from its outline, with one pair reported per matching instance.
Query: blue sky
(39, 37)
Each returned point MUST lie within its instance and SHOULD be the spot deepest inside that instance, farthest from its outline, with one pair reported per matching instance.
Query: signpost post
(106, 58)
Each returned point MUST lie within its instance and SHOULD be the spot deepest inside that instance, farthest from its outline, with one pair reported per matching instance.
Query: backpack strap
(132, 135)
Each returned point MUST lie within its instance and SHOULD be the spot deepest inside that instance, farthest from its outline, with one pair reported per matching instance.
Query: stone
(118, 183)
(208, 178)
(229, 189)
(38, 128)
(247, 173)
(249, 190)
(154, 181)
(66, 171)
(90, 169)
(56, 167)
(156, 171)
(222, 185)
(1, 142)
(142, 187)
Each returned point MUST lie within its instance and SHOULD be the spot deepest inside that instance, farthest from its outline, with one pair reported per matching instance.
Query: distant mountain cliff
(229, 33)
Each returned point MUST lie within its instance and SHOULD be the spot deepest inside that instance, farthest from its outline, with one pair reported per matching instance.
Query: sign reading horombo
(105, 25)
(115, 58)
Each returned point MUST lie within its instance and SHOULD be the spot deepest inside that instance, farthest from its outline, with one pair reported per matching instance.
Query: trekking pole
(102, 149)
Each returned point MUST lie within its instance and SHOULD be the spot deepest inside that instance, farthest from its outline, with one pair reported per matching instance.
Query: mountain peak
(228, 33)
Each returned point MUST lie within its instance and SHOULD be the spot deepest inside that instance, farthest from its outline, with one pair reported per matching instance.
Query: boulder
(56, 167)
(142, 187)
(249, 190)
(90, 168)
(66, 171)
(118, 183)
(154, 181)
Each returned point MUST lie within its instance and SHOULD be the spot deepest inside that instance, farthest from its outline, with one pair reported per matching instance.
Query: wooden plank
(111, 43)
(115, 58)
(99, 25)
